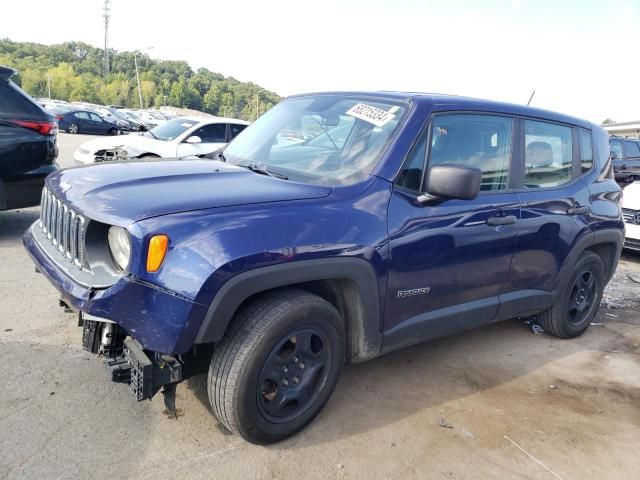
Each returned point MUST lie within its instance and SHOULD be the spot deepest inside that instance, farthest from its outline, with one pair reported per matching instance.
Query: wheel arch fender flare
(3, 196)
(590, 241)
(365, 328)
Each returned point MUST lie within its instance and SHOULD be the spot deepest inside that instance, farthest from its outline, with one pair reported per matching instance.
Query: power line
(106, 15)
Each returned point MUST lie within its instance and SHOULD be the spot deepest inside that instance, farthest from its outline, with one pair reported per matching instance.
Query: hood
(121, 193)
(631, 196)
(133, 143)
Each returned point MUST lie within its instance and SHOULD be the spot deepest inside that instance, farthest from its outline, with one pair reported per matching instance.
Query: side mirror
(452, 181)
(194, 139)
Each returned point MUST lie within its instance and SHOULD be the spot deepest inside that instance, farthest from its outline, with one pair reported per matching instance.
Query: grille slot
(629, 215)
(64, 228)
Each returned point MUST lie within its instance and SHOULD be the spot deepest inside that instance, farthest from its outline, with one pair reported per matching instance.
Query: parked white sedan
(177, 138)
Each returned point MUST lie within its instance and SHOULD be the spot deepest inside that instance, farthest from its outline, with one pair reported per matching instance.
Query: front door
(212, 137)
(449, 259)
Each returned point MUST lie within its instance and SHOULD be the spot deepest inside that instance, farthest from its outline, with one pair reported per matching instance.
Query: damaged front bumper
(86, 157)
(127, 362)
(155, 317)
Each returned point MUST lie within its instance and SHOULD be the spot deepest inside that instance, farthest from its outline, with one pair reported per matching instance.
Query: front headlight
(120, 246)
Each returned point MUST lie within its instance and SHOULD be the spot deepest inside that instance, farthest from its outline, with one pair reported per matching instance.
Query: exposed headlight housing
(120, 246)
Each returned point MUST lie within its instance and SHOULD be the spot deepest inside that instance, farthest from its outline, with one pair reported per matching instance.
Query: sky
(582, 58)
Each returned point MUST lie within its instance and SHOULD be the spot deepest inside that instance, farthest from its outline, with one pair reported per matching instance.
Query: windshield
(320, 139)
(172, 129)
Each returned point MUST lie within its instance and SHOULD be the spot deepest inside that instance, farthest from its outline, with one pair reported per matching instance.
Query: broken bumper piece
(144, 375)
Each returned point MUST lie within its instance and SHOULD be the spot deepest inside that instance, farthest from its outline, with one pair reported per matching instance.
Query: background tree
(74, 70)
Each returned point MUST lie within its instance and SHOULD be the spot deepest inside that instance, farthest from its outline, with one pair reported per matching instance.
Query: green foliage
(75, 71)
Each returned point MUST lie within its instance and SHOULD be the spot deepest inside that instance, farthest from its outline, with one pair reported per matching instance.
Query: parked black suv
(625, 153)
(27, 145)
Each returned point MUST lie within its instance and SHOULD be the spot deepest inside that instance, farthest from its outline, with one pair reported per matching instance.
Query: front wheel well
(344, 295)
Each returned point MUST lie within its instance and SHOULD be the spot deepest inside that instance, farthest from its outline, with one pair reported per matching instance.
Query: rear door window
(475, 140)
(548, 154)
(236, 128)
(82, 115)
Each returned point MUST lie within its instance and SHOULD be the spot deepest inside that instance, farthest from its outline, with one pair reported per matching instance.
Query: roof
(212, 119)
(454, 102)
(632, 124)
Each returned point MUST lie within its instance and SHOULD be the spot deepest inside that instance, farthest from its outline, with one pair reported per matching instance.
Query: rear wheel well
(344, 295)
(607, 253)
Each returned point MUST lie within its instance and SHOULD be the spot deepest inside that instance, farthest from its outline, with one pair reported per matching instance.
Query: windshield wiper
(220, 156)
(261, 169)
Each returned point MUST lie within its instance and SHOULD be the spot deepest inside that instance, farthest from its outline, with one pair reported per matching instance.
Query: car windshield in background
(320, 139)
(172, 129)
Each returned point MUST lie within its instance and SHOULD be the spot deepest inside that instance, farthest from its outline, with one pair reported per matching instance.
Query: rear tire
(73, 129)
(578, 304)
(277, 365)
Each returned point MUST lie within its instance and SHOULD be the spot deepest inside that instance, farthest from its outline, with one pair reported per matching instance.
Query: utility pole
(49, 83)
(135, 61)
(106, 15)
(257, 105)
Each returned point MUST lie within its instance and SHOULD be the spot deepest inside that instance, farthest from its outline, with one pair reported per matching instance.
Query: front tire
(277, 365)
(578, 304)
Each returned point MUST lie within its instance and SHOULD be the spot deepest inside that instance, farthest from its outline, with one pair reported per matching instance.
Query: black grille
(629, 215)
(64, 228)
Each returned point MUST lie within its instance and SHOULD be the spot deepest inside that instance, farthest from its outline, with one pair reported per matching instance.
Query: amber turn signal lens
(157, 250)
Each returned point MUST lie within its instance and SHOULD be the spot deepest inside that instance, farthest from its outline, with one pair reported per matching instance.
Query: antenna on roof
(531, 98)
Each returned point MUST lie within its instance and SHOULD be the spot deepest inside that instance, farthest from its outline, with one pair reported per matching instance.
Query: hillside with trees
(74, 71)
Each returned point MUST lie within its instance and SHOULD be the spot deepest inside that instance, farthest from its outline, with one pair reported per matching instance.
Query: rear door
(98, 124)
(84, 122)
(555, 202)
(449, 259)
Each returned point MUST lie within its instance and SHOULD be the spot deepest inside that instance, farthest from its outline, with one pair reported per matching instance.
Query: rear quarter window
(15, 104)
(586, 151)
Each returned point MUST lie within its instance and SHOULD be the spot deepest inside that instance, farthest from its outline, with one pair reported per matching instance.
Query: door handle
(506, 220)
(578, 210)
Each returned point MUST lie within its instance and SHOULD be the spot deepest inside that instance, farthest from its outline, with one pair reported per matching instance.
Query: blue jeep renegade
(336, 228)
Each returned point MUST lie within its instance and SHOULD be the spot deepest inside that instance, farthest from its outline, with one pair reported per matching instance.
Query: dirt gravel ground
(496, 403)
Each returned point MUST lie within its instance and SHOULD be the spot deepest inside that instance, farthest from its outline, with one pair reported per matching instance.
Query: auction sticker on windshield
(373, 115)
